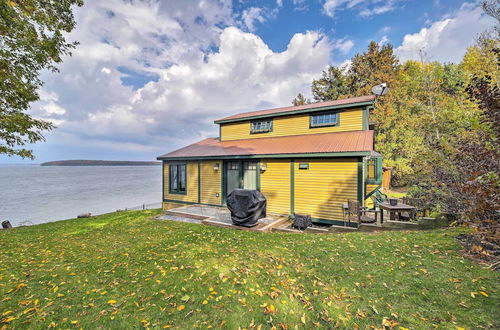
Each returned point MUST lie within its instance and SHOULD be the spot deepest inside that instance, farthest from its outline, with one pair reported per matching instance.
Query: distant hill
(79, 162)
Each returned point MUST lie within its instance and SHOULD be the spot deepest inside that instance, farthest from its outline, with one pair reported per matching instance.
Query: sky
(149, 77)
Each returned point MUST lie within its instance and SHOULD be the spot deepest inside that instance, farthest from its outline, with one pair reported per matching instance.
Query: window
(177, 182)
(374, 171)
(261, 126)
(303, 166)
(325, 119)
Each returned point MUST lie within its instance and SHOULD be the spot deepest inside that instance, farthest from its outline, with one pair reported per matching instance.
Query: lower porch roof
(351, 143)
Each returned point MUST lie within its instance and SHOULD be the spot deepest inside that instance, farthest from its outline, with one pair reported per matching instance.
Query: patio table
(399, 208)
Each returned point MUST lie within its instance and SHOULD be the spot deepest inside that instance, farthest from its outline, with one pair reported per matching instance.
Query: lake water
(36, 194)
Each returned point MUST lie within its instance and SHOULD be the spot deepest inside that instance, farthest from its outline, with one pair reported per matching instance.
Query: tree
(31, 40)
(377, 65)
(492, 8)
(333, 84)
(300, 100)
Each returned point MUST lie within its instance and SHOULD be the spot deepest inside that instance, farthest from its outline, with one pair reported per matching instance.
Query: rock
(6, 224)
(84, 215)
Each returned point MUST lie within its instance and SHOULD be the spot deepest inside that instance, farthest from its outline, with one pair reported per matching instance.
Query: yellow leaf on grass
(112, 302)
(303, 318)
(483, 293)
(55, 289)
(181, 307)
(205, 302)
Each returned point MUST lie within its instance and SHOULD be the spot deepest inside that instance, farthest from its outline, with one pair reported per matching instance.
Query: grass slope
(123, 270)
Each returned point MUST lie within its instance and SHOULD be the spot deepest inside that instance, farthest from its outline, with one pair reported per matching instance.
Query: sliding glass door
(241, 174)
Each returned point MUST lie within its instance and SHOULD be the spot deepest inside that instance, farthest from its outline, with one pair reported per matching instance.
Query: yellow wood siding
(171, 205)
(351, 120)
(210, 183)
(275, 185)
(371, 187)
(321, 189)
(191, 183)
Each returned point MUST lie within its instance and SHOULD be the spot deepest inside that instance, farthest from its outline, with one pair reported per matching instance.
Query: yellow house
(307, 159)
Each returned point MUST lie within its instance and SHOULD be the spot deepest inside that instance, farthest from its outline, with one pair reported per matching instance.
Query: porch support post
(292, 186)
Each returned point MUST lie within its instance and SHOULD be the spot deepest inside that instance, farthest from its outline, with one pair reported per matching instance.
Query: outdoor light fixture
(263, 167)
(216, 167)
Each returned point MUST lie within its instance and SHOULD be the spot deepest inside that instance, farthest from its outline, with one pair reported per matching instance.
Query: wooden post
(6, 224)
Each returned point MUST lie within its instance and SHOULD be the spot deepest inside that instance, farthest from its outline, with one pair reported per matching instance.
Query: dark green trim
(163, 180)
(220, 133)
(188, 203)
(365, 118)
(336, 222)
(170, 191)
(199, 181)
(292, 186)
(373, 191)
(301, 155)
(378, 171)
(223, 183)
(360, 180)
(292, 112)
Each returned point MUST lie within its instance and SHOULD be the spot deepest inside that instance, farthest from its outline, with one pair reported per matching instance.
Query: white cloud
(205, 69)
(388, 6)
(343, 45)
(383, 41)
(330, 6)
(252, 15)
(446, 40)
(52, 108)
(365, 8)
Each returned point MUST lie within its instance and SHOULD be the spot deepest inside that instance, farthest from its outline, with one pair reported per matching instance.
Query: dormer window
(325, 119)
(263, 126)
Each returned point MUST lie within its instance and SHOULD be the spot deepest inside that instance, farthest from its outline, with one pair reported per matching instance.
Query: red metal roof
(352, 100)
(352, 141)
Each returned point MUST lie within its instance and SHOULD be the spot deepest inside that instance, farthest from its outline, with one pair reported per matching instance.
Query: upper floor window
(325, 119)
(261, 126)
(177, 182)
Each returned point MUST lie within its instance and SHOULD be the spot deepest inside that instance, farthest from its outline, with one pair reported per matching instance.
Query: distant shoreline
(79, 162)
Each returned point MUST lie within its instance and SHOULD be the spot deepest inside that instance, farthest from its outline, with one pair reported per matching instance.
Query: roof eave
(285, 113)
(288, 155)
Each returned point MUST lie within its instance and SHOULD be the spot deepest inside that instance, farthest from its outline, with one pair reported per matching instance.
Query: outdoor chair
(358, 214)
(417, 203)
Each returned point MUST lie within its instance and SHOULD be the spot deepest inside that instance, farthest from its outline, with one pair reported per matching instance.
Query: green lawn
(125, 270)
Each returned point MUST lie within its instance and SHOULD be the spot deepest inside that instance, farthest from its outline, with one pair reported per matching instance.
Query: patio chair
(358, 214)
(418, 204)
